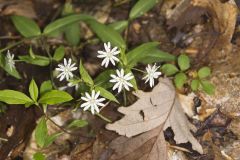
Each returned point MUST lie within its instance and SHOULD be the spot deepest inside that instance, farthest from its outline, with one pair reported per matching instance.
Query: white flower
(92, 102)
(109, 54)
(66, 69)
(121, 80)
(151, 74)
(10, 60)
(72, 84)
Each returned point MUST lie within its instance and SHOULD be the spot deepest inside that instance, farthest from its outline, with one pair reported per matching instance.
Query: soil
(198, 38)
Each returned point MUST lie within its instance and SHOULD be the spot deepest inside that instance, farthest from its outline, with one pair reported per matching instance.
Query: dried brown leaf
(181, 127)
(147, 146)
(153, 109)
(223, 18)
(21, 8)
(148, 112)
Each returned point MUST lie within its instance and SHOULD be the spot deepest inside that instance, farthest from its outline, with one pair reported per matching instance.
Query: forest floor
(206, 30)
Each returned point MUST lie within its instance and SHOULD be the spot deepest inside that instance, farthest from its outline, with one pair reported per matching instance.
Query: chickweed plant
(119, 63)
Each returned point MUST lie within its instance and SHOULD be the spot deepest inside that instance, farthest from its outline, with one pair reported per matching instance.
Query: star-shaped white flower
(108, 55)
(66, 69)
(10, 60)
(151, 74)
(121, 80)
(92, 102)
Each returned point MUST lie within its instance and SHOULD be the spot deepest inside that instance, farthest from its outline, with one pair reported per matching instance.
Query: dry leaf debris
(147, 146)
(223, 18)
(153, 109)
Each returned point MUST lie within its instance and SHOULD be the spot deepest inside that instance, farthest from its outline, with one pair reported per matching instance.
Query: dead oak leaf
(148, 112)
(150, 145)
(182, 127)
(152, 109)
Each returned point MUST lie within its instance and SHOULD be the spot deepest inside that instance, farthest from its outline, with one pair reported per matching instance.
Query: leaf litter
(152, 113)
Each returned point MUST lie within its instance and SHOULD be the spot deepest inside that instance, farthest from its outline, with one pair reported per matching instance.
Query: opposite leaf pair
(50, 97)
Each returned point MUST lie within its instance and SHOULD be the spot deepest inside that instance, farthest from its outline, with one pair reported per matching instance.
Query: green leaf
(33, 90)
(147, 53)
(50, 139)
(208, 87)
(3, 107)
(83, 87)
(123, 58)
(107, 34)
(183, 62)
(45, 87)
(132, 81)
(28, 104)
(180, 79)
(14, 97)
(141, 7)
(103, 78)
(39, 156)
(55, 97)
(140, 52)
(84, 74)
(41, 132)
(169, 69)
(204, 72)
(59, 53)
(119, 26)
(195, 84)
(156, 55)
(68, 8)
(38, 60)
(79, 123)
(31, 53)
(72, 34)
(106, 94)
(13, 72)
(27, 27)
(56, 34)
(63, 22)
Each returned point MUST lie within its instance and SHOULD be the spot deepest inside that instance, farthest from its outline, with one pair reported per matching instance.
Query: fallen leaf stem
(104, 118)
(3, 139)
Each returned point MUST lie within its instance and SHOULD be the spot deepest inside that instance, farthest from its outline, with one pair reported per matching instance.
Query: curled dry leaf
(153, 109)
(187, 103)
(15, 7)
(176, 155)
(222, 15)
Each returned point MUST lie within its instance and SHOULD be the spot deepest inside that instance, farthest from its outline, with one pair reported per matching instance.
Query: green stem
(139, 70)
(104, 118)
(51, 63)
(18, 60)
(17, 43)
(124, 97)
(11, 46)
